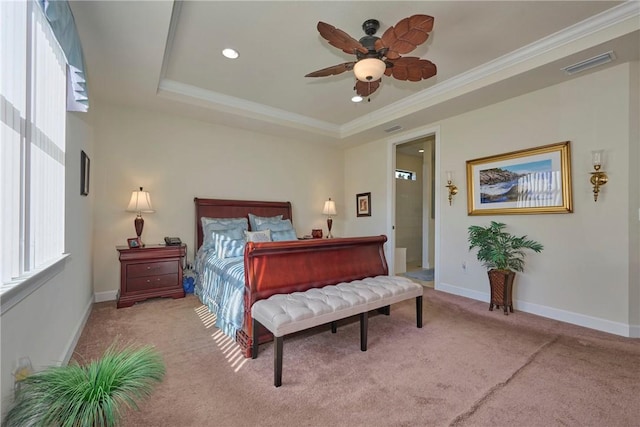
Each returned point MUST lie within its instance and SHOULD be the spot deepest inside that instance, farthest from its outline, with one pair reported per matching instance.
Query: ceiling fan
(376, 56)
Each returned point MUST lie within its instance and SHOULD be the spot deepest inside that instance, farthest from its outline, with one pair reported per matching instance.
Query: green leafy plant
(498, 249)
(85, 396)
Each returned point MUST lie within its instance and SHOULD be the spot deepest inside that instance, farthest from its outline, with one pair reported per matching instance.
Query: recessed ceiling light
(421, 151)
(356, 98)
(230, 53)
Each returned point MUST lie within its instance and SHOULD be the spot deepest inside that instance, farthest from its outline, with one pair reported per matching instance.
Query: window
(408, 175)
(32, 143)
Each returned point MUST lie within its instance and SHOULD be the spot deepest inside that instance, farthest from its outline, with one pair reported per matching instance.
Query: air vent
(393, 129)
(590, 63)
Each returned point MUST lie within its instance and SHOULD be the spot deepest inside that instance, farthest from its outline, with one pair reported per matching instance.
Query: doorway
(415, 208)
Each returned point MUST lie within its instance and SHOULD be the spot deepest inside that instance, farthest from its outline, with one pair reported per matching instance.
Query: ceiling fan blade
(340, 39)
(406, 35)
(366, 88)
(333, 70)
(412, 69)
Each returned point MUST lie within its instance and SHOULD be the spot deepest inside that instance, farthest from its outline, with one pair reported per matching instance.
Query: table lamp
(140, 202)
(329, 209)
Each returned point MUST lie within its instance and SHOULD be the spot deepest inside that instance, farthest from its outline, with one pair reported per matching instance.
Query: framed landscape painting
(535, 180)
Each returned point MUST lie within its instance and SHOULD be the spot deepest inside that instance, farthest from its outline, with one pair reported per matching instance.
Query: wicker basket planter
(501, 282)
(502, 254)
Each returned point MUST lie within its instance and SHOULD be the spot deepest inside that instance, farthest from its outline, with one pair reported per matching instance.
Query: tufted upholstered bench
(283, 314)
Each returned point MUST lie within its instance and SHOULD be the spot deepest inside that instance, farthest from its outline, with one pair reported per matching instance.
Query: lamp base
(139, 224)
(329, 224)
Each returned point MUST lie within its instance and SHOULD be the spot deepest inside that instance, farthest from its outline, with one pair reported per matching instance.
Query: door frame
(391, 189)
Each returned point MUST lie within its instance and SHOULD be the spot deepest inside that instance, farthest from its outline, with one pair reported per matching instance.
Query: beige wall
(634, 196)
(46, 324)
(409, 208)
(585, 275)
(177, 159)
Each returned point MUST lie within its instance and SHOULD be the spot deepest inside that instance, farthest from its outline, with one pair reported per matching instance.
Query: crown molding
(194, 95)
(470, 80)
(620, 20)
(229, 104)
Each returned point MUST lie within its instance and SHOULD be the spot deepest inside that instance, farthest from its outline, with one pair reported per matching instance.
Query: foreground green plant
(498, 249)
(85, 396)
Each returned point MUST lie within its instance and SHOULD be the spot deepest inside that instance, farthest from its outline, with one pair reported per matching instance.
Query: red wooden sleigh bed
(289, 266)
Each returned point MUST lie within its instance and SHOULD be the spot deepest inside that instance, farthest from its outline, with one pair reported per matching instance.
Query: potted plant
(502, 254)
(85, 396)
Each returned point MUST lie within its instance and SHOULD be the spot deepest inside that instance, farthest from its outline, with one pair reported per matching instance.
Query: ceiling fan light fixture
(357, 98)
(230, 53)
(369, 69)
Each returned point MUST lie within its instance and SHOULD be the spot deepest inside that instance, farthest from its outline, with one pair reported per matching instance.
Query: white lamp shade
(140, 202)
(329, 207)
(369, 69)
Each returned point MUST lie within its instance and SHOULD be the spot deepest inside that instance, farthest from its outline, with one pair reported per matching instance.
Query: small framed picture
(363, 204)
(134, 242)
(85, 165)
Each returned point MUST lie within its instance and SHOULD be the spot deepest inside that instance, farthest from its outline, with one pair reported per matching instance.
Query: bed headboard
(219, 208)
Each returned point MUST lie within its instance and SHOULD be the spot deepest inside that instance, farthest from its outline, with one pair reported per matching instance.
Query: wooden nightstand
(150, 271)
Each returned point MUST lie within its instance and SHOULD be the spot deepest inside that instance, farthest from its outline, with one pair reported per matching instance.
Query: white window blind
(32, 152)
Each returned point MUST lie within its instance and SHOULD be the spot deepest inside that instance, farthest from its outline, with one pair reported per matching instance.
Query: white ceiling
(166, 56)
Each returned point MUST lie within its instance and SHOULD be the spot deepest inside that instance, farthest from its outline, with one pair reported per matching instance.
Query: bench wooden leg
(334, 327)
(419, 311)
(254, 338)
(277, 361)
(364, 323)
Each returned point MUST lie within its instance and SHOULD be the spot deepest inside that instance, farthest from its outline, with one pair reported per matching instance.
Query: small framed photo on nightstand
(134, 242)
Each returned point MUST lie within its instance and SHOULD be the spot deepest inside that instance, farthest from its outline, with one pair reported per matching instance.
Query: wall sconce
(453, 190)
(598, 178)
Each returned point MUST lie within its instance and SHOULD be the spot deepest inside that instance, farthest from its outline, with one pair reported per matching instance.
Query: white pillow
(258, 236)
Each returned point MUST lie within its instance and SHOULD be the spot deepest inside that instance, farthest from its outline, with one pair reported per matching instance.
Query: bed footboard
(284, 267)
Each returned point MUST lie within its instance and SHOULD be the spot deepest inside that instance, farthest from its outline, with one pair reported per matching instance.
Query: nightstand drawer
(152, 269)
(152, 282)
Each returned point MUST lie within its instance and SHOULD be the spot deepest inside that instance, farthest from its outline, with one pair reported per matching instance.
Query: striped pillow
(221, 225)
(227, 246)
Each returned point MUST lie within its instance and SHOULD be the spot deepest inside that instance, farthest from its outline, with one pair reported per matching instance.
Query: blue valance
(59, 15)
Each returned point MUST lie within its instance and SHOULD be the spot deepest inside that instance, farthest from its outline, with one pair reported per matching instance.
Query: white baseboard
(105, 296)
(76, 335)
(463, 292)
(616, 328)
(97, 297)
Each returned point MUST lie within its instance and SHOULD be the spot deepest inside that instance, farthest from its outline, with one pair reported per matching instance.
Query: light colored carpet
(466, 367)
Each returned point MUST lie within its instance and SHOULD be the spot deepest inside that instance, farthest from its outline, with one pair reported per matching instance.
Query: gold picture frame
(530, 181)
